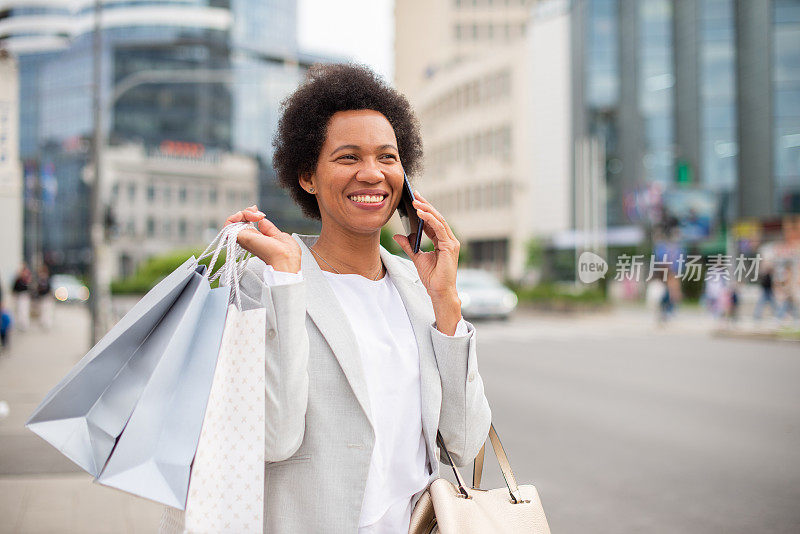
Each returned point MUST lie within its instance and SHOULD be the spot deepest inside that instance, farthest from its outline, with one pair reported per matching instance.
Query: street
(627, 427)
(623, 426)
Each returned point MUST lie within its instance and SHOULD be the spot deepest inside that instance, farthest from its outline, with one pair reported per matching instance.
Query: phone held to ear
(412, 224)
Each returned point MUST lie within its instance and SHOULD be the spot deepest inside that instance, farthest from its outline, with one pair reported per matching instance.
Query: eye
(392, 156)
(347, 156)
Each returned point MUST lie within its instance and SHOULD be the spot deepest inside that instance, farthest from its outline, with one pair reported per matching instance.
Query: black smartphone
(412, 224)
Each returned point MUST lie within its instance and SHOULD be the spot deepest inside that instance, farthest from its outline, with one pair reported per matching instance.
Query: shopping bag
(155, 451)
(226, 486)
(154, 454)
(84, 414)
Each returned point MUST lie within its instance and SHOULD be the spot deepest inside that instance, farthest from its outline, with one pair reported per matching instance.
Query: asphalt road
(622, 426)
(625, 427)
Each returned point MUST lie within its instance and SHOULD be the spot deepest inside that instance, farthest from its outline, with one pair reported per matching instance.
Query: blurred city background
(623, 175)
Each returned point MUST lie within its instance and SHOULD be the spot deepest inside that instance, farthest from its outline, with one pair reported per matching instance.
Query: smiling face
(359, 179)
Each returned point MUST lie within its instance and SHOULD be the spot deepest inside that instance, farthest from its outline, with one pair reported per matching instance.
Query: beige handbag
(447, 509)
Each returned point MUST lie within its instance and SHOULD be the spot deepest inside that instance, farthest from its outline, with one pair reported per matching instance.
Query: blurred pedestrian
(670, 298)
(788, 298)
(767, 297)
(5, 326)
(5, 319)
(22, 297)
(44, 297)
(732, 302)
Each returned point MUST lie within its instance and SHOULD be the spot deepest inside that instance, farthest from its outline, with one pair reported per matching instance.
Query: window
(212, 195)
(131, 192)
(151, 193)
(151, 227)
(182, 194)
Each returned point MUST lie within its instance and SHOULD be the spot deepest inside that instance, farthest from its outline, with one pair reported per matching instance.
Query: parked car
(483, 295)
(67, 288)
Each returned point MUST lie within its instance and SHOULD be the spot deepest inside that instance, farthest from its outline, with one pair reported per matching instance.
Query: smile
(368, 201)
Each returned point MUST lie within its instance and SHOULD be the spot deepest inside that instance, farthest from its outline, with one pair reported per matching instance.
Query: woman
(368, 355)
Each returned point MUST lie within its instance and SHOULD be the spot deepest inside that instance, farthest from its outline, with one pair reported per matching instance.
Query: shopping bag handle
(236, 259)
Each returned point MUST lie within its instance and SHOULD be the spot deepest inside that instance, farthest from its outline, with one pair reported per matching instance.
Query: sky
(359, 29)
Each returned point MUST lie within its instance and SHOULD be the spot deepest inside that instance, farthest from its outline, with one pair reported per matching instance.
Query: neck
(349, 253)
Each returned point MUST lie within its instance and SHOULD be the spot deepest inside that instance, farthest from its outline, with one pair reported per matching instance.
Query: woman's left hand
(437, 268)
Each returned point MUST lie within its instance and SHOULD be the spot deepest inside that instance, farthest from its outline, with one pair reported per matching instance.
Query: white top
(390, 357)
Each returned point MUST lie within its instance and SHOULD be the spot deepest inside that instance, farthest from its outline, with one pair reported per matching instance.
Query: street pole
(99, 289)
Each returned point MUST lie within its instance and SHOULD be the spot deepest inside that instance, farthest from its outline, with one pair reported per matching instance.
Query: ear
(306, 181)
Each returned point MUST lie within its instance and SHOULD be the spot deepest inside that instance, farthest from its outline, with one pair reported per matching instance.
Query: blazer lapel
(326, 312)
(420, 313)
(324, 309)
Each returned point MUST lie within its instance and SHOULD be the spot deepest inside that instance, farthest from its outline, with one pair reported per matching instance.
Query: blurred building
(431, 35)
(486, 92)
(679, 113)
(701, 99)
(10, 174)
(202, 72)
(173, 197)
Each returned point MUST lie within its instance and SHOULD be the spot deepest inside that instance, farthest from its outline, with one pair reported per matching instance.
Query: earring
(311, 190)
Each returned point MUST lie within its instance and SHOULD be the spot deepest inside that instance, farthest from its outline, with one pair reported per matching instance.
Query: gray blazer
(319, 432)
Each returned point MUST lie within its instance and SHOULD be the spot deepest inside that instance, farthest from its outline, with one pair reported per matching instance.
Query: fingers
(268, 228)
(421, 203)
(250, 214)
(402, 240)
(434, 228)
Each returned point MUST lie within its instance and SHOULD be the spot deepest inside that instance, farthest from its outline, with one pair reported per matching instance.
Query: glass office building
(697, 94)
(250, 43)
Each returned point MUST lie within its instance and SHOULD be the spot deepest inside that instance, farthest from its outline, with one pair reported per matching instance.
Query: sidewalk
(40, 490)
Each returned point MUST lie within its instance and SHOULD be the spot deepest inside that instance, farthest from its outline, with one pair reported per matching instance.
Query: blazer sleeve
(286, 369)
(465, 416)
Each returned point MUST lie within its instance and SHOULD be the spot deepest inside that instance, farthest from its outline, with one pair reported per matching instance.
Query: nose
(370, 171)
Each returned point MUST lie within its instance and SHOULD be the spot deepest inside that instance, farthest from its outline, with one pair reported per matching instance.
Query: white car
(67, 288)
(483, 296)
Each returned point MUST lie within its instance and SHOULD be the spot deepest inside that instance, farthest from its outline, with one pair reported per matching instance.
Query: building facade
(671, 113)
(211, 73)
(698, 94)
(173, 197)
(493, 88)
(10, 174)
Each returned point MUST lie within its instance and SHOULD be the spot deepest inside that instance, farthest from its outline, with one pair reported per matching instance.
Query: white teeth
(374, 199)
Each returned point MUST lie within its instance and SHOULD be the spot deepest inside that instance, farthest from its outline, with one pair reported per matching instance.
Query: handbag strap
(502, 459)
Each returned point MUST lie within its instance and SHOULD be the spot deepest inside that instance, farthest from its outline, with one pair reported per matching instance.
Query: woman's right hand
(268, 243)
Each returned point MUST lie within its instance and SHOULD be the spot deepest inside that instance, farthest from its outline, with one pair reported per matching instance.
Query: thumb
(402, 240)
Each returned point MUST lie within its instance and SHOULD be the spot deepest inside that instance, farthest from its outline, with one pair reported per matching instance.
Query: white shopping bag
(226, 484)
(226, 488)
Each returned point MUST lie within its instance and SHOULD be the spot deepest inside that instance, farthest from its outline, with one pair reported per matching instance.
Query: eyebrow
(356, 147)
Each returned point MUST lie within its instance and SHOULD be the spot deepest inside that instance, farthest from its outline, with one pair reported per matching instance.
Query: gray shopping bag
(154, 454)
(85, 413)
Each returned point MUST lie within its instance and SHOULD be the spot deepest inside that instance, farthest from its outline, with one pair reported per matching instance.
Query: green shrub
(558, 293)
(155, 269)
